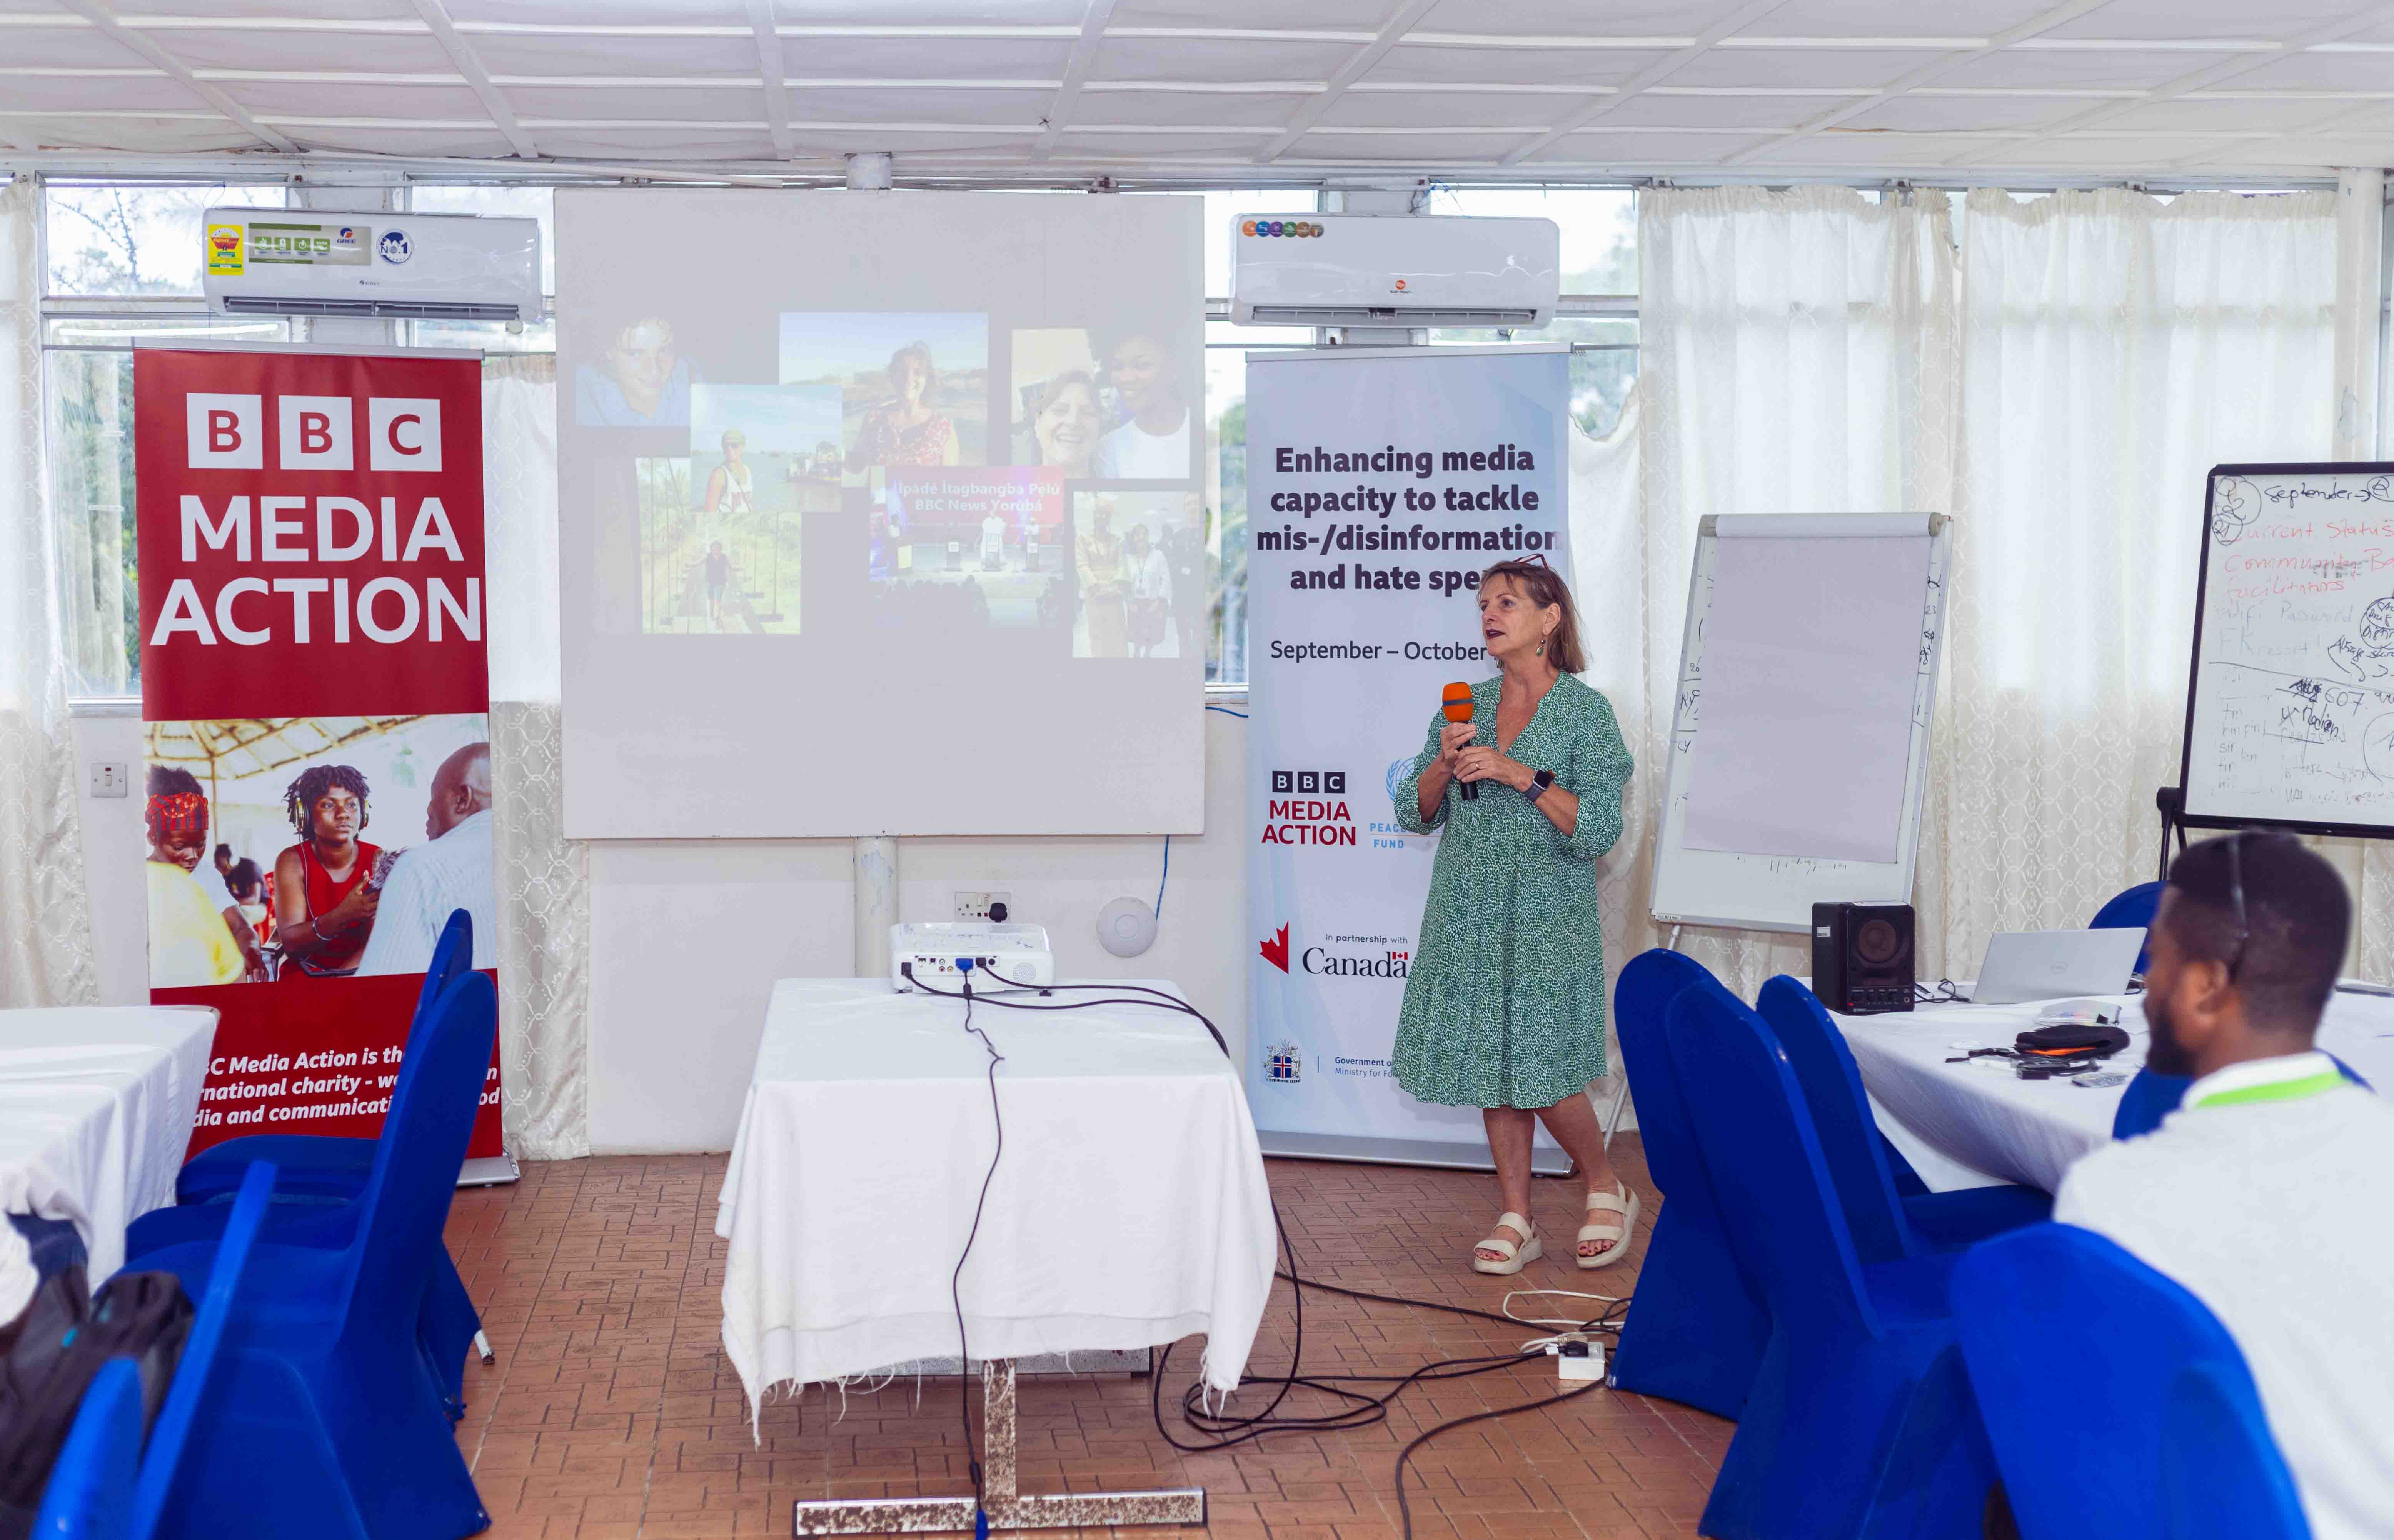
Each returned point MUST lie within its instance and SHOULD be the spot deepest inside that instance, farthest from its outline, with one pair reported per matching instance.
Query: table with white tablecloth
(96, 1110)
(1128, 1209)
(1972, 1123)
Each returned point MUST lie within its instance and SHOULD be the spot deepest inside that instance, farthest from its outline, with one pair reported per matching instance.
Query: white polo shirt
(2269, 1196)
(427, 882)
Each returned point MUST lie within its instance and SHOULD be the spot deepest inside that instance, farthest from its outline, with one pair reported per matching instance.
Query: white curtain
(45, 950)
(2114, 348)
(2056, 374)
(1796, 355)
(543, 877)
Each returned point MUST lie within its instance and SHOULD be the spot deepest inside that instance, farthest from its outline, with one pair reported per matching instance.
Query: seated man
(451, 871)
(2268, 1194)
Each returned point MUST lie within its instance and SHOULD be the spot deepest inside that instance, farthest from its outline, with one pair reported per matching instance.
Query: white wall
(687, 937)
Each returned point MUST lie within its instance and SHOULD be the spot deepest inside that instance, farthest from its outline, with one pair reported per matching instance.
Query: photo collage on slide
(966, 476)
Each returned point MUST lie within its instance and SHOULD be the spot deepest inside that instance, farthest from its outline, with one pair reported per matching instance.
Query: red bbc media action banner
(315, 701)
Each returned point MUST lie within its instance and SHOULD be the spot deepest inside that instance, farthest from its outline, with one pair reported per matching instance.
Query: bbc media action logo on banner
(1309, 782)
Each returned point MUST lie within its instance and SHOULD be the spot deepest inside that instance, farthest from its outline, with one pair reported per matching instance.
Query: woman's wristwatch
(1538, 784)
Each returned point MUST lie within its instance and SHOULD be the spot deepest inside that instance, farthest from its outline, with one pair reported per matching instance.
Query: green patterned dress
(1504, 1003)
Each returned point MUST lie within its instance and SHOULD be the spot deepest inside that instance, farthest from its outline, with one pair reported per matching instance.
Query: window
(124, 262)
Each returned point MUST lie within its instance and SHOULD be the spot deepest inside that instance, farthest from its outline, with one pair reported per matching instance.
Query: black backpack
(61, 1342)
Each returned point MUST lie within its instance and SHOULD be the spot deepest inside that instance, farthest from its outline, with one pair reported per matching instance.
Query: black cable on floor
(955, 1279)
(1361, 1410)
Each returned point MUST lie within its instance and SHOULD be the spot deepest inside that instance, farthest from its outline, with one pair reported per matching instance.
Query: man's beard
(2164, 1053)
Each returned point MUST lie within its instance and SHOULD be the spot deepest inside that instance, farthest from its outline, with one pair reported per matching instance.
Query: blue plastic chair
(103, 1486)
(2148, 1427)
(324, 1369)
(1885, 1224)
(2131, 908)
(1860, 1423)
(1696, 1326)
(2151, 1097)
(324, 1167)
(89, 1495)
(330, 1169)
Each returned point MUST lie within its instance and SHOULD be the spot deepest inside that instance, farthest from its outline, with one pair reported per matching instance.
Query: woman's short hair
(921, 354)
(1047, 395)
(1543, 585)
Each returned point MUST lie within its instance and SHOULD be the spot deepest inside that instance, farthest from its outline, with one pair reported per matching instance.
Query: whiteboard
(2290, 694)
(1775, 891)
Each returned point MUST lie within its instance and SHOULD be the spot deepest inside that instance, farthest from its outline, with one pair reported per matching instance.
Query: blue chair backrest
(2151, 1097)
(2131, 908)
(451, 954)
(431, 1121)
(1841, 1120)
(2089, 1438)
(1782, 1215)
(187, 1397)
(1647, 984)
(89, 1495)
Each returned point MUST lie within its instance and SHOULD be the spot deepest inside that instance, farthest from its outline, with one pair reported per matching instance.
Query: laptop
(2051, 964)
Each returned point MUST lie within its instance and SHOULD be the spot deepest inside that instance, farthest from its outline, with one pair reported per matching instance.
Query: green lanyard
(2282, 1090)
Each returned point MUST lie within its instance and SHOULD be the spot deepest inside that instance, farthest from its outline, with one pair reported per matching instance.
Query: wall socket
(110, 777)
(975, 907)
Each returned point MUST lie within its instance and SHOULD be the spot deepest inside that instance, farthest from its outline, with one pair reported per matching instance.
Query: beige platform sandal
(1607, 1202)
(1515, 1256)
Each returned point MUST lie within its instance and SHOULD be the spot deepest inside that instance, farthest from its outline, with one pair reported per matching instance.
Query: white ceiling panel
(1756, 112)
(1183, 108)
(1576, 18)
(1769, 69)
(141, 135)
(504, 54)
(1212, 59)
(1173, 84)
(2213, 18)
(699, 104)
(1523, 112)
(230, 48)
(272, 98)
(2071, 69)
(1556, 66)
(896, 59)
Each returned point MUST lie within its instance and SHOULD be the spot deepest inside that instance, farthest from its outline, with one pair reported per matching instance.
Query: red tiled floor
(612, 1413)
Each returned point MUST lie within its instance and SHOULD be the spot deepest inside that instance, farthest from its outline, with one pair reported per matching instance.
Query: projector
(1007, 954)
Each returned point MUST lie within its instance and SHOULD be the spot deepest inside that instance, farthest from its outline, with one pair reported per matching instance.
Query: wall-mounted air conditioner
(1365, 270)
(421, 267)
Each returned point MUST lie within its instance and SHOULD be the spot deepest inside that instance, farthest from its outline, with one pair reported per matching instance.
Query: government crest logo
(1284, 1063)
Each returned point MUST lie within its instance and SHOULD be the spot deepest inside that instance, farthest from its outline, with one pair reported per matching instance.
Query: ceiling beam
(1934, 70)
(100, 16)
(1358, 65)
(469, 64)
(777, 89)
(1076, 74)
(1652, 74)
(2360, 20)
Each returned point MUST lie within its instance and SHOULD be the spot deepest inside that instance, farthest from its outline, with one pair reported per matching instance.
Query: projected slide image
(914, 384)
(729, 572)
(642, 379)
(1141, 563)
(1143, 366)
(1060, 413)
(970, 547)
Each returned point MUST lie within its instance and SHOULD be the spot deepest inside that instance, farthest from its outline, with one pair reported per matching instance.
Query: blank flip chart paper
(1812, 653)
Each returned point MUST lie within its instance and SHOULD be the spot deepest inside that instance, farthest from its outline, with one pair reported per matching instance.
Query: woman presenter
(1504, 1003)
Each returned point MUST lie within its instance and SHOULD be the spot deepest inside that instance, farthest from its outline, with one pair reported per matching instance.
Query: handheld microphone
(1458, 704)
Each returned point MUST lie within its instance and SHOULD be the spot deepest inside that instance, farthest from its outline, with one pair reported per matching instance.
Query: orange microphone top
(1458, 702)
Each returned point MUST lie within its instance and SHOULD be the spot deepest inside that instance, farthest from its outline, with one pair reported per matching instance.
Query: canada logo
(1275, 950)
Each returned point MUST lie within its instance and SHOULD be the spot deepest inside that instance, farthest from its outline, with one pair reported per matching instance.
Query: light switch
(110, 777)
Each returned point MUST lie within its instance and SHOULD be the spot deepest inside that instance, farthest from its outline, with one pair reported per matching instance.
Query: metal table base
(1007, 1507)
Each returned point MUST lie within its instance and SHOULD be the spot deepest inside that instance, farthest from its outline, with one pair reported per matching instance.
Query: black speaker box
(1862, 957)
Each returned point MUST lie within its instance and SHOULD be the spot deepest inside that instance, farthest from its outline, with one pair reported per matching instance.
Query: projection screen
(882, 513)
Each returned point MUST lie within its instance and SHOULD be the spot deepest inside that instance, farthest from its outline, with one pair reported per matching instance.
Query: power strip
(1578, 1360)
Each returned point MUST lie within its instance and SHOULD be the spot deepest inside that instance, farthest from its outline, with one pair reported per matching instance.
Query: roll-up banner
(1381, 482)
(315, 714)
